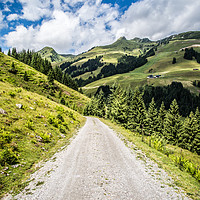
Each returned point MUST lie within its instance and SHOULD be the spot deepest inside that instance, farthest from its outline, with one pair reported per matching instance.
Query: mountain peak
(122, 38)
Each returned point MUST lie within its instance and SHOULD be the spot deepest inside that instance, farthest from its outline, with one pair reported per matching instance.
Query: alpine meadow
(99, 99)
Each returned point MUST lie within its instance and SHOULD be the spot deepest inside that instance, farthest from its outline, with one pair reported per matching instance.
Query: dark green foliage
(174, 60)
(43, 65)
(51, 77)
(152, 118)
(9, 54)
(161, 119)
(125, 64)
(89, 66)
(173, 127)
(13, 70)
(128, 109)
(150, 53)
(186, 100)
(196, 83)
(108, 70)
(191, 130)
(189, 53)
(26, 78)
(62, 101)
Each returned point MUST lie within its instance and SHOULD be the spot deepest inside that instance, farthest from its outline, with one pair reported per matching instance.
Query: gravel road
(98, 165)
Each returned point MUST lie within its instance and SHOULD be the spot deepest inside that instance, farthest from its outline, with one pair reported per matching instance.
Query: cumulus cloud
(67, 30)
(12, 17)
(34, 10)
(80, 24)
(157, 19)
(2, 24)
(22, 38)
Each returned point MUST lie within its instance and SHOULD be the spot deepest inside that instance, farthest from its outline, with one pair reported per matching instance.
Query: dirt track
(98, 165)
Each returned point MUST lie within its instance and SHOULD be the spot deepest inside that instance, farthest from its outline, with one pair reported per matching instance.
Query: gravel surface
(98, 165)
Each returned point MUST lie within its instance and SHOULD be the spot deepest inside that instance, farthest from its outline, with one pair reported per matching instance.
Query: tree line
(34, 60)
(190, 53)
(125, 64)
(128, 109)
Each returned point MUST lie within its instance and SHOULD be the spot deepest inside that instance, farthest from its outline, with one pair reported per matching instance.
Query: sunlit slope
(160, 64)
(38, 83)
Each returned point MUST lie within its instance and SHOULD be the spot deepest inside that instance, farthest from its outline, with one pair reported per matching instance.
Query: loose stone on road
(98, 165)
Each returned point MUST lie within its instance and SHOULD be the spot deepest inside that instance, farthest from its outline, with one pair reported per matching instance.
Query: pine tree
(161, 119)
(196, 142)
(173, 125)
(152, 118)
(191, 129)
(51, 77)
(197, 115)
(9, 54)
(174, 60)
(26, 78)
(137, 112)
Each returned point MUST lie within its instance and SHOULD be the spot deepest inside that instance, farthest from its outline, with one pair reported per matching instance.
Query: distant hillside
(161, 64)
(51, 55)
(100, 62)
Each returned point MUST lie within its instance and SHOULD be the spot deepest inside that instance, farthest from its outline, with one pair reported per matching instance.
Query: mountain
(93, 67)
(185, 71)
(51, 55)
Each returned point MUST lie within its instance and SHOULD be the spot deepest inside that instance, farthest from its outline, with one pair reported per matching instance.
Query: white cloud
(84, 25)
(12, 17)
(2, 23)
(22, 38)
(34, 10)
(157, 19)
(66, 30)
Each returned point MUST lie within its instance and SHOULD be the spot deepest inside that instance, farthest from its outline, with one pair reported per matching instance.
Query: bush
(62, 129)
(12, 94)
(5, 138)
(59, 116)
(62, 101)
(29, 124)
(8, 156)
(45, 137)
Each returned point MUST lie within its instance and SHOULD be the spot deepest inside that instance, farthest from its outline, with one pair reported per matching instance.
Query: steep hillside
(33, 123)
(39, 83)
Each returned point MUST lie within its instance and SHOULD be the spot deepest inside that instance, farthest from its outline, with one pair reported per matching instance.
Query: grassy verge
(32, 129)
(181, 178)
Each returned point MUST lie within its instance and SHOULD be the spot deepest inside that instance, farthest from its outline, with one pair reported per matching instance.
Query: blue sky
(74, 26)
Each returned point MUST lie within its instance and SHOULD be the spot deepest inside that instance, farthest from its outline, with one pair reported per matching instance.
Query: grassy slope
(36, 131)
(51, 55)
(180, 177)
(112, 52)
(161, 63)
(38, 83)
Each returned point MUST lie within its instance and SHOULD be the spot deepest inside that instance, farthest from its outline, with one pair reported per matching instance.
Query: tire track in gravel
(98, 165)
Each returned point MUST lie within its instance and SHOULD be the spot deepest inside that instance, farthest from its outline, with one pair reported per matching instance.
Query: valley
(40, 116)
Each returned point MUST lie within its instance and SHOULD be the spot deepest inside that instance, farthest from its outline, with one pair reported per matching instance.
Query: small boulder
(3, 112)
(19, 106)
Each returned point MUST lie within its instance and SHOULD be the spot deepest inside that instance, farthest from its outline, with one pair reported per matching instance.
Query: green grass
(31, 134)
(38, 83)
(51, 55)
(37, 130)
(181, 178)
(161, 64)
